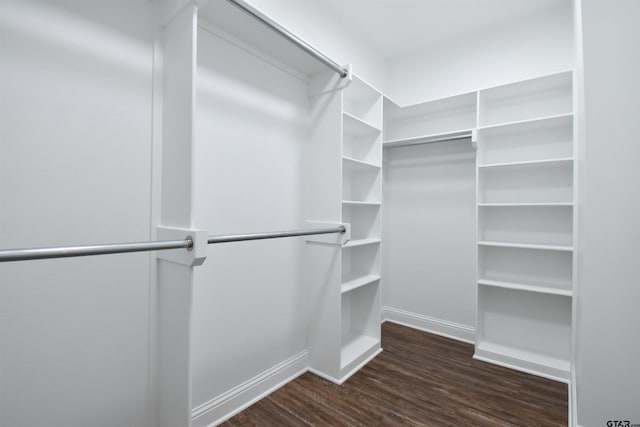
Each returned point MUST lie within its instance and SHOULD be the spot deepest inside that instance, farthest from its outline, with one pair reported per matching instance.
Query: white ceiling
(396, 27)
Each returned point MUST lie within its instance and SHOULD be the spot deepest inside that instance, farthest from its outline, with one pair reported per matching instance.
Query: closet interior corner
(298, 188)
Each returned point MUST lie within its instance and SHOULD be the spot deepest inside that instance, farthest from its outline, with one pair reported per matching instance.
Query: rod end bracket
(191, 256)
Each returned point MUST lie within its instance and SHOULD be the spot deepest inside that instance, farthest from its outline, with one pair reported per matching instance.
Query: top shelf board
(222, 15)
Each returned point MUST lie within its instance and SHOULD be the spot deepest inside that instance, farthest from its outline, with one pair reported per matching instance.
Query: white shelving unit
(344, 332)
(526, 217)
(361, 204)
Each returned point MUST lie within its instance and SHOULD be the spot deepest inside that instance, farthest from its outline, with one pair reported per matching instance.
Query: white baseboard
(433, 325)
(228, 404)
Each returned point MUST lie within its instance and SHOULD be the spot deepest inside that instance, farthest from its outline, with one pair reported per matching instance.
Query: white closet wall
(608, 340)
(75, 160)
(518, 50)
(429, 237)
(251, 126)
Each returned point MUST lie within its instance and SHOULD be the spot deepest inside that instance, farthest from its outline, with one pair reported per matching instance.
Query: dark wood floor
(419, 379)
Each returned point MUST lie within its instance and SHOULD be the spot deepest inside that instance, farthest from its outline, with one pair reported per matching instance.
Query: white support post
(170, 376)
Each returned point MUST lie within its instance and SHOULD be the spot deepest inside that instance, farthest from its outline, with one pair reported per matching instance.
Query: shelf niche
(541, 97)
(429, 118)
(550, 182)
(531, 267)
(548, 225)
(546, 139)
(360, 320)
(530, 328)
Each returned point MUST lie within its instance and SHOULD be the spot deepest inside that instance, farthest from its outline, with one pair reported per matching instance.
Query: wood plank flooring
(420, 379)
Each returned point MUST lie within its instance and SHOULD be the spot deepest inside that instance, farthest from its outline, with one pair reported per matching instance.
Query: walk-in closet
(321, 212)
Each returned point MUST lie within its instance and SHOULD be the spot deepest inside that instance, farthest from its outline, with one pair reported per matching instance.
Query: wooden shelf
(550, 162)
(527, 288)
(358, 165)
(353, 281)
(355, 126)
(355, 346)
(360, 242)
(526, 246)
(527, 121)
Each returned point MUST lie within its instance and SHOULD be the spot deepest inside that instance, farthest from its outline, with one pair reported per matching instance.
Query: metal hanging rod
(104, 249)
(428, 140)
(117, 248)
(273, 235)
(279, 29)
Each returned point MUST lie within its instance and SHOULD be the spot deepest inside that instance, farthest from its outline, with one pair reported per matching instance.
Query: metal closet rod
(273, 234)
(279, 29)
(117, 248)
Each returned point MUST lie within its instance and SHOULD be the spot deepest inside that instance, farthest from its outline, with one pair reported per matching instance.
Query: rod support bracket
(329, 239)
(192, 256)
(474, 139)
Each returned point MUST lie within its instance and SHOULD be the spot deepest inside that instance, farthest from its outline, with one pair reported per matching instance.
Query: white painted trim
(573, 398)
(228, 404)
(433, 325)
(324, 376)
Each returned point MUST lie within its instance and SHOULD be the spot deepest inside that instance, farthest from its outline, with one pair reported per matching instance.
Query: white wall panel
(608, 341)
(252, 123)
(75, 151)
(429, 222)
